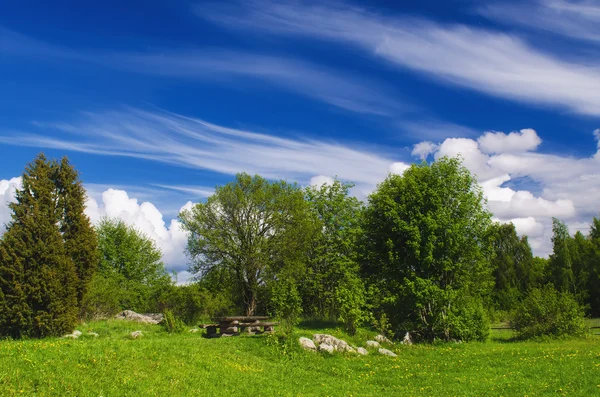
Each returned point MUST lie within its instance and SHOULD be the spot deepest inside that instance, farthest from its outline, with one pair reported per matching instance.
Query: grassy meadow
(161, 364)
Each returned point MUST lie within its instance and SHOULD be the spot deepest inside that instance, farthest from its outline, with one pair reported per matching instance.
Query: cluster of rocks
(330, 344)
(147, 318)
(76, 334)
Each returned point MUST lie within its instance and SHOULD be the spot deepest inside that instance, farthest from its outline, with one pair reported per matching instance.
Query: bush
(286, 303)
(547, 312)
(469, 321)
(103, 299)
(172, 324)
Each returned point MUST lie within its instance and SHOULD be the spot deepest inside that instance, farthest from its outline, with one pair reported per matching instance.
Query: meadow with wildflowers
(162, 364)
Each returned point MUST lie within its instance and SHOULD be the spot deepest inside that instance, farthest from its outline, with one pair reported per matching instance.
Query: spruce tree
(80, 239)
(38, 277)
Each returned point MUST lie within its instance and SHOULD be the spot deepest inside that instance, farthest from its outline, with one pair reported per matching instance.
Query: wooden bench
(229, 326)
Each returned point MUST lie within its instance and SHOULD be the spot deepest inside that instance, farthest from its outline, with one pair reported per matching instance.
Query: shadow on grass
(317, 324)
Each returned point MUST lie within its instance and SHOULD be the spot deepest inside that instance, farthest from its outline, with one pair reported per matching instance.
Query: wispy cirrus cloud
(484, 60)
(341, 89)
(191, 142)
(578, 20)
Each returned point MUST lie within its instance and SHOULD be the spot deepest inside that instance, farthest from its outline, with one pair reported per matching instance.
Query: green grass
(160, 364)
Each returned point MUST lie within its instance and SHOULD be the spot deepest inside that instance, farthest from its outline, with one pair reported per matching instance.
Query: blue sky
(160, 101)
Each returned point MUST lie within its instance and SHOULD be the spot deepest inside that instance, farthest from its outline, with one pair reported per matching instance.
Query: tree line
(422, 254)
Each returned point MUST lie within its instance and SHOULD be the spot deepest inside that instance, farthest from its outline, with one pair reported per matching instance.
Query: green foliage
(171, 323)
(425, 245)
(468, 321)
(332, 288)
(286, 303)
(193, 303)
(104, 298)
(514, 268)
(382, 325)
(48, 253)
(130, 275)
(548, 312)
(250, 229)
(560, 271)
(81, 243)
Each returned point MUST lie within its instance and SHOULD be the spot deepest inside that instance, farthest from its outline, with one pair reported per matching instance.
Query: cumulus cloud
(498, 142)
(144, 216)
(321, 180)
(553, 186)
(399, 168)
(7, 195)
(424, 149)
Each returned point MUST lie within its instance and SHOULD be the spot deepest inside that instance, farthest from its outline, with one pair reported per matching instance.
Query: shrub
(547, 312)
(172, 324)
(469, 321)
(286, 303)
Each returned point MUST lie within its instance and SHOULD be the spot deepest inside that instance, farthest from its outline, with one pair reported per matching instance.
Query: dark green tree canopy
(47, 254)
(251, 228)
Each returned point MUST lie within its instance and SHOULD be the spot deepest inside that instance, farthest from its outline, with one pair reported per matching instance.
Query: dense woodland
(422, 254)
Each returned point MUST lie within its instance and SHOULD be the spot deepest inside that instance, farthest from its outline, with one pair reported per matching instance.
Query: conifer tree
(79, 236)
(38, 282)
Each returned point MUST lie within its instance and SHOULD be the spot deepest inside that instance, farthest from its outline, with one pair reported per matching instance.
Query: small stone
(95, 335)
(407, 339)
(136, 334)
(362, 351)
(324, 347)
(387, 352)
(382, 339)
(194, 330)
(71, 336)
(307, 344)
(77, 333)
(372, 343)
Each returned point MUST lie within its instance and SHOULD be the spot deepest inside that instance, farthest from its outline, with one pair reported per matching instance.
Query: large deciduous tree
(426, 242)
(252, 228)
(47, 244)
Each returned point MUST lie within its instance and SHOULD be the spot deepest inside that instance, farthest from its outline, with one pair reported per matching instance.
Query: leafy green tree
(513, 265)
(426, 246)
(560, 270)
(594, 268)
(252, 229)
(131, 274)
(38, 279)
(332, 288)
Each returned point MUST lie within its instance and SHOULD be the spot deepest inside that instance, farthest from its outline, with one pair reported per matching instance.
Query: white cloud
(116, 203)
(398, 168)
(578, 20)
(498, 142)
(335, 87)
(321, 180)
(191, 142)
(569, 188)
(147, 219)
(424, 149)
(7, 195)
(479, 59)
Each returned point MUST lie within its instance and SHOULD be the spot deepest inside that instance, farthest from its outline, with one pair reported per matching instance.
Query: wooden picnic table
(233, 325)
